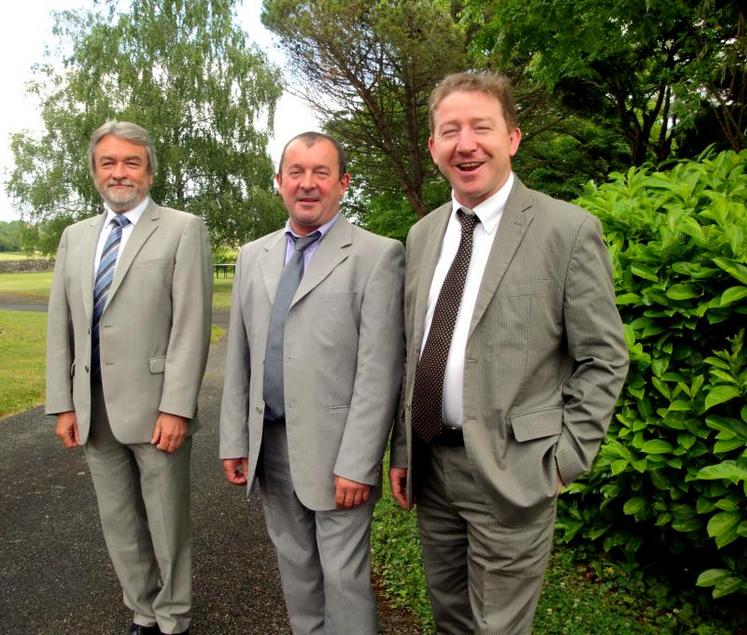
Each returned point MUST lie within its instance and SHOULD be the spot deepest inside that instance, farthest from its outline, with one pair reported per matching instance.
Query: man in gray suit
(515, 358)
(127, 343)
(313, 370)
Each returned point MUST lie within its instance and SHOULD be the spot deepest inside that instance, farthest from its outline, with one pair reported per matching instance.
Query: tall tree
(655, 65)
(183, 70)
(368, 67)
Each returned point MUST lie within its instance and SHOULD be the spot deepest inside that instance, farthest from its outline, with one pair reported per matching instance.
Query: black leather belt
(452, 437)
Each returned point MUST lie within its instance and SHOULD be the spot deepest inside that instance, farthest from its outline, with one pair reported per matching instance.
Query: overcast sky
(26, 27)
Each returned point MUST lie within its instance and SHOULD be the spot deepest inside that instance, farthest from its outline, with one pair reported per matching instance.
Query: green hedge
(672, 476)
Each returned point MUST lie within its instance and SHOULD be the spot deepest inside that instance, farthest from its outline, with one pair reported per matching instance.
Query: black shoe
(138, 629)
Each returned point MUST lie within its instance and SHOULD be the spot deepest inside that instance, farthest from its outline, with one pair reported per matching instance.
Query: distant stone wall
(26, 266)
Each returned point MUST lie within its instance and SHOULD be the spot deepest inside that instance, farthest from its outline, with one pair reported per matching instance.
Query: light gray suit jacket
(343, 354)
(154, 332)
(545, 358)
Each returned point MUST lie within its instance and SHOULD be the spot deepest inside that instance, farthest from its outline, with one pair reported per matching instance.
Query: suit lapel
(514, 223)
(272, 263)
(426, 269)
(143, 229)
(88, 253)
(331, 253)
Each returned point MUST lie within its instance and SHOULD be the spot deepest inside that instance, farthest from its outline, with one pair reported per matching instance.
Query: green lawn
(222, 293)
(13, 255)
(26, 284)
(38, 284)
(23, 333)
(22, 341)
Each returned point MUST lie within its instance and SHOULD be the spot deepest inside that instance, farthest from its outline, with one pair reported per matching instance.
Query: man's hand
(237, 470)
(349, 494)
(67, 429)
(169, 432)
(398, 482)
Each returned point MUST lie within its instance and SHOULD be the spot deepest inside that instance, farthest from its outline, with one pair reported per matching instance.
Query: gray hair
(129, 132)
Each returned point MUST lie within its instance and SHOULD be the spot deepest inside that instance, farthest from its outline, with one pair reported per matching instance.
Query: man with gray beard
(127, 343)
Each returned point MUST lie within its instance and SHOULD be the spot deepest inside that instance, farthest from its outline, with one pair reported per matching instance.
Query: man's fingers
(156, 433)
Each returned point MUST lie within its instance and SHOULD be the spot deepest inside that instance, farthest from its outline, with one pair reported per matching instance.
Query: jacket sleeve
(189, 339)
(60, 345)
(234, 437)
(379, 370)
(595, 342)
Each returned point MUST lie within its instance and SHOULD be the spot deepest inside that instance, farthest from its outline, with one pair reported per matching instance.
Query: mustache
(112, 182)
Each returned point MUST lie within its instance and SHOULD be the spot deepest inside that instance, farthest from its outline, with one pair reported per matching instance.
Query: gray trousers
(143, 497)
(324, 557)
(482, 577)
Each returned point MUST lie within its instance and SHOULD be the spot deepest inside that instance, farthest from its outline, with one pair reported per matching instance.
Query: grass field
(222, 293)
(38, 284)
(23, 333)
(22, 341)
(16, 255)
(26, 284)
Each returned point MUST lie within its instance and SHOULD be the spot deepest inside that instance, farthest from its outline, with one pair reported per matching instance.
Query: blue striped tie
(104, 277)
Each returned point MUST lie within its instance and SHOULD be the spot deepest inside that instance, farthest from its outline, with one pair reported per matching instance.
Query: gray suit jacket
(545, 359)
(155, 329)
(343, 354)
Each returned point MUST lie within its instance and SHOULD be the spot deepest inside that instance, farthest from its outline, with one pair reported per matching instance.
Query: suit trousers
(143, 497)
(482, 577)
(324, 557)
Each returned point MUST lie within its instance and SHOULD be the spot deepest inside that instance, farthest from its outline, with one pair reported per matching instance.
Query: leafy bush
(672, 476)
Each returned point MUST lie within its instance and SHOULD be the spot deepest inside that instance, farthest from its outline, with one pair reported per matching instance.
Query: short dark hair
(310, 138)
(129, 132)
(492, 84)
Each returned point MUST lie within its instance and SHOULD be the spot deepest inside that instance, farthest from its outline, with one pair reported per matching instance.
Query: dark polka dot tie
(428, 392)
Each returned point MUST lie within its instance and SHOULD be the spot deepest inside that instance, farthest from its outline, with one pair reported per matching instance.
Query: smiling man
(127, 342)
(515, 358)
(313, 370)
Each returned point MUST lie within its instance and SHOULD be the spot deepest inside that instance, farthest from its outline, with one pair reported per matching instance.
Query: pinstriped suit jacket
(545, 358)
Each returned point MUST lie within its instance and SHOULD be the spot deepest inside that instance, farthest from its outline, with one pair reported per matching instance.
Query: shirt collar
(490, 210)
(323, 229)
(133, 215)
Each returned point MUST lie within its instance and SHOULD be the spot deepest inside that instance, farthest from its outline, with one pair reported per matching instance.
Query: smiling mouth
(470, 166)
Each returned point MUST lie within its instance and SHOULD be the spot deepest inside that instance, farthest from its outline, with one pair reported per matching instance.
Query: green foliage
(11, 235)
(186, 73)
(665, 70)
(672, 477)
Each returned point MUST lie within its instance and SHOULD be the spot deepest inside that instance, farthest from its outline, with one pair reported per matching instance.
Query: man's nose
(466, 142)
(307, 181)
(119, 171)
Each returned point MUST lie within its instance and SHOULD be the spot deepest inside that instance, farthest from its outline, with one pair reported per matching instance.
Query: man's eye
(448, 133)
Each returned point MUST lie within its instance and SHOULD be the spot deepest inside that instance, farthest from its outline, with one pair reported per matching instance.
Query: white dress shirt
(489, 212)
(133, 215)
